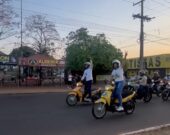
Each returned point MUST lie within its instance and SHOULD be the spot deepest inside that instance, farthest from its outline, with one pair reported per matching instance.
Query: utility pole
(21, 29)
(21, 47)
(142, 19)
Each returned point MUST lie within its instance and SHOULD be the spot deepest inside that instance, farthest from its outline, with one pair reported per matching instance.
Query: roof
(2, 54)
(41, 56)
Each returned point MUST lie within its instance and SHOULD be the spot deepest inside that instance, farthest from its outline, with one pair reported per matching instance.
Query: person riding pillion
(88, 78)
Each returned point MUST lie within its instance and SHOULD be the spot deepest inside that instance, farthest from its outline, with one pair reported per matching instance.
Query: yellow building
(159, 63)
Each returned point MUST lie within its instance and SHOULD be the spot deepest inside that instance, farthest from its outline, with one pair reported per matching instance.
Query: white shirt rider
(87, 75)
(118, 74)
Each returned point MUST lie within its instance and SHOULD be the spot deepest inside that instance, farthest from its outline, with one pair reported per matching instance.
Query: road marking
(146, 129)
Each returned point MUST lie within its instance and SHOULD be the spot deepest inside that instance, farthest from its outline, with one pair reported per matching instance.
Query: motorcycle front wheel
(99, 110)
(158, 93)
(71, 100)
(147, 98)
(165, 95)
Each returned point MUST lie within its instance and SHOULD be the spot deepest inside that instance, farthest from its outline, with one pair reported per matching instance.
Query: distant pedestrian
(70, 79)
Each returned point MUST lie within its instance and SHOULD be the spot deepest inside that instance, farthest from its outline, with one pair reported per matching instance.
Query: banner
(159, 61)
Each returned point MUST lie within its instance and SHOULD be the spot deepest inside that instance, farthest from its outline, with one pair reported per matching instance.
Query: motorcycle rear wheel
(129, 107)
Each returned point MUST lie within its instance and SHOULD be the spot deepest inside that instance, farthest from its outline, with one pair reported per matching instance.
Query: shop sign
(4, 59)
(32, 62)
(161, 61)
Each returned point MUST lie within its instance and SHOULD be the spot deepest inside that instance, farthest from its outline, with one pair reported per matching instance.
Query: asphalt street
(48, 114)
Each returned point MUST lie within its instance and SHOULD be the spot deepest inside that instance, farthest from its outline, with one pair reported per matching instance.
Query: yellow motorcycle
(76, 95)
(104, 104)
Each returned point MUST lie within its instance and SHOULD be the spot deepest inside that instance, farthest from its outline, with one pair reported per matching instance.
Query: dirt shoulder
(38, 89)
(29, 90)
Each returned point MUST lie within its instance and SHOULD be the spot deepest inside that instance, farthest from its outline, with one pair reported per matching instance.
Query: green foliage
(25, 51)
(82, 46)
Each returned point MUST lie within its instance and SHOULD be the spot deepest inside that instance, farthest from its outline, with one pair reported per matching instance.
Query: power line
(67, 10)
(148, 41)
(111, 28)
(160, 3)
(94, 25)
(98, 26)
(77, 25)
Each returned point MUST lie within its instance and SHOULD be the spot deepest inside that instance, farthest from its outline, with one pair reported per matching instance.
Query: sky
(112, 17)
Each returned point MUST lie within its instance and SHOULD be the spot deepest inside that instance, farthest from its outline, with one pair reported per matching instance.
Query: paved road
(47, 114)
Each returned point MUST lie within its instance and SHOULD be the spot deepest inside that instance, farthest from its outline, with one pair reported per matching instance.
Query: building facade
(160, 63)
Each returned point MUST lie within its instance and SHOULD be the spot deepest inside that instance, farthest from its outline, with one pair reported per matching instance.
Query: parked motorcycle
(104, 104)
(76, 95)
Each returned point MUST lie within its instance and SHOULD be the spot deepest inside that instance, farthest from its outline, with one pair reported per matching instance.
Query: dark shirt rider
(156, 78)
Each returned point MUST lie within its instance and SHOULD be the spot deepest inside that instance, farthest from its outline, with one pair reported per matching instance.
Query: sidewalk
(30, 90)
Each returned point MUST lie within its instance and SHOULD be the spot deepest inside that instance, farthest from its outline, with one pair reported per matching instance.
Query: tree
(7, 16)
(26, 51)
(81, 46)
(42, 34)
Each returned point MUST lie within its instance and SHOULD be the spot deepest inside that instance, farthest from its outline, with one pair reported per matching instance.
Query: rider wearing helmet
(118, 76)
(142, 82)
(156, 77)
(87, 78)
(143, 78)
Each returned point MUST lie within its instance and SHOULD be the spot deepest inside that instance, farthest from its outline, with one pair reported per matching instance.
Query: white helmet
(87, 63)
(116, 61)
(142, 72)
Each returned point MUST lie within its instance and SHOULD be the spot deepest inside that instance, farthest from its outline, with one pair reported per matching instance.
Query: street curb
(146, 129)
(31, 92)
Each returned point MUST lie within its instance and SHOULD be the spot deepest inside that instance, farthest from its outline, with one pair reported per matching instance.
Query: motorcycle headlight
(79, 84)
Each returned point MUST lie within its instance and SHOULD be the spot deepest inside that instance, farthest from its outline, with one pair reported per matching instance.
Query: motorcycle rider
(167, 77)
(118, 76)
(156, 79)
(87, 78)
(142, 82)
